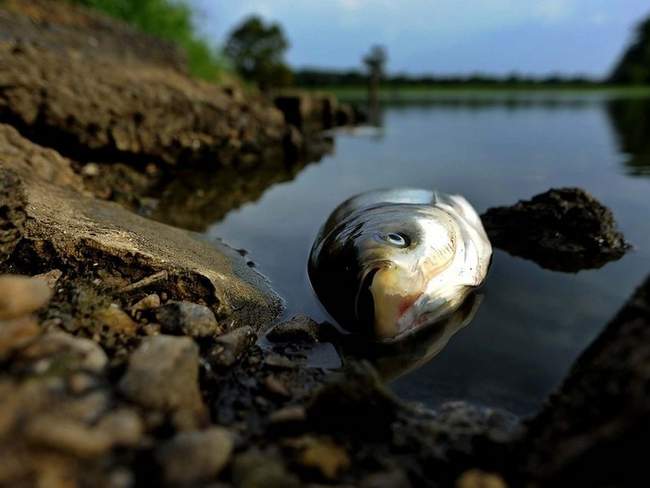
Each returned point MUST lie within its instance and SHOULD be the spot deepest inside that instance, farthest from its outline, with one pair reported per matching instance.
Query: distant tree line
(314, 77)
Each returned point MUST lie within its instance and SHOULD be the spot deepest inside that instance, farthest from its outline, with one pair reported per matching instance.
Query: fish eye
(396, 239)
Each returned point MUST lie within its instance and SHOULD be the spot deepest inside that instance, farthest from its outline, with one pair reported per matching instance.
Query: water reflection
(630, 119)
(195, 199)
(396, 359)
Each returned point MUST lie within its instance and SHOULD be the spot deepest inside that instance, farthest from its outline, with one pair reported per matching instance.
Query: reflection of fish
(397, 358)
(388, 262)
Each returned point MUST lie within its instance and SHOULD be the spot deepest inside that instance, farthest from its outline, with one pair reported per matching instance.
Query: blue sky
(443, 36)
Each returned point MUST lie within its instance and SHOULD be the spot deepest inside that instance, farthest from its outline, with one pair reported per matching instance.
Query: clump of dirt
(563, 229)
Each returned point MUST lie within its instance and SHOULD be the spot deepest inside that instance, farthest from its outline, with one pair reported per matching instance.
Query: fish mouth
(364, 302)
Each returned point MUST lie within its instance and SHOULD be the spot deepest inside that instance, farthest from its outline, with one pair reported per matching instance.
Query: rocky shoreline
(129, 347)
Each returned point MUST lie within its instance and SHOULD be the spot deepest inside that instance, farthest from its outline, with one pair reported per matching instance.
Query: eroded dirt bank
(128, 348)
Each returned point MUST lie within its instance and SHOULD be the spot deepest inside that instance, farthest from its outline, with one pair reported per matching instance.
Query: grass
(170, 20)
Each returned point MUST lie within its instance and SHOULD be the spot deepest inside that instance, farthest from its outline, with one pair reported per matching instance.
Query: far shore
(491, 92)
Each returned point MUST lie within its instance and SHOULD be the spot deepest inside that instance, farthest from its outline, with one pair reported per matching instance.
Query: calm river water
(532, 323)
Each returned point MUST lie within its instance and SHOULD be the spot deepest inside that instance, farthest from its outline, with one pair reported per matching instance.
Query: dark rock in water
(187, 318)
(563, 229)
(195, 456)
(163, 373)
(595, 430)
(299, 329)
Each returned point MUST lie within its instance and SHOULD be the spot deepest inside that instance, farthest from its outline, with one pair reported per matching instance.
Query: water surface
(532, 323)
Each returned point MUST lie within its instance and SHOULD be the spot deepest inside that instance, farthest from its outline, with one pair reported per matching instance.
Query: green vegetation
(408, 94)
(170, 20)
(257, 52)
(634, 66)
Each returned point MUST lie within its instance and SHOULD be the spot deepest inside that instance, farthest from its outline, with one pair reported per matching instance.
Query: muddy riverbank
(129, 350)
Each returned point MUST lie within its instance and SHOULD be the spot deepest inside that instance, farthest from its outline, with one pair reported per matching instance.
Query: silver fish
(389, 262)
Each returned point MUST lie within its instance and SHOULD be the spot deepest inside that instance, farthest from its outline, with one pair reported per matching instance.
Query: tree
(634, 66)
(375, 62)
(257, 52)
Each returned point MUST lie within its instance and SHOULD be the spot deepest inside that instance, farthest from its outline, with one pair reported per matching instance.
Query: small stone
(147, 303)
(276, 386)
(279, 362)
(65, 352)
(117, 320)
(124, 426)
(187, 318)
(163, 374)
(90, 169)
(17, 333)
(299, 329)
(386, 479)
(67, 435)
(79, 383)
(21, 295)
(51, 277)
(293, 413)
(194, 456)
(230, 347)
(254, 469)
(322, 454)
(475, 478)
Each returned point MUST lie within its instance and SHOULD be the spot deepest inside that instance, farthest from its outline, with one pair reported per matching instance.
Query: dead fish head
(388, 269)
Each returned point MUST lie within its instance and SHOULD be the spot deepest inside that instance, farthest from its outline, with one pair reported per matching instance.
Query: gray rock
(230, 347)
(163, 374)
(299, 329)
(195, 456)
(187, 318)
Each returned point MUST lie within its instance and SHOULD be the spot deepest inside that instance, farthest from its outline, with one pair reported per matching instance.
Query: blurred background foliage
(254, 52)
(170, 20)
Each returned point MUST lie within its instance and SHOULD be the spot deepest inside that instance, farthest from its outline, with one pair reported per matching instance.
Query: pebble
(254, 469)
(147, 303)
(275, 385)
(66, 352)
(323, 454)
(117, 320)
(17, 333)
(163, 374)
(22, 295)
(279, 362)
(187, 318)
(51, 277)
(194, 456)
(67, 435)
(293, 413)
(299, 329)
(230, 347)
(475, 478)
(124, 426)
